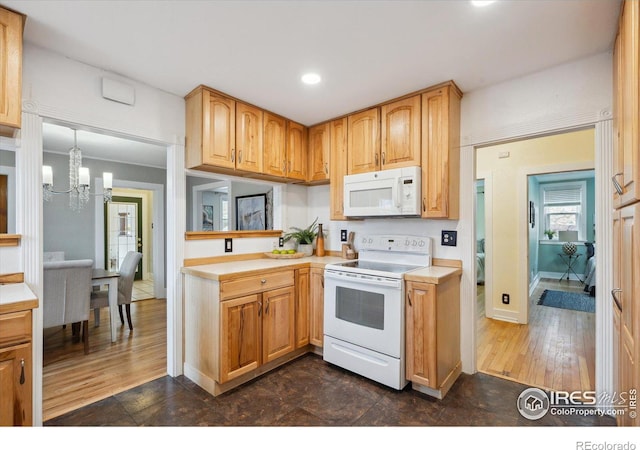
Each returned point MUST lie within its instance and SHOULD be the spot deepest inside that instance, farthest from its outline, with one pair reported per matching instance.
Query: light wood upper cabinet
(338, 167)
(296, 151)
(401, 126)
(627, 106)
(275, 154)
(211, 130)
(363, 149)
(11, 27)
(441, 152)
(319, 142)
(248, 138)
(316, 310)
(432, 346)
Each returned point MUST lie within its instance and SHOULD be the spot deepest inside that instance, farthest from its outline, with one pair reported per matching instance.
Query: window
(564, 208)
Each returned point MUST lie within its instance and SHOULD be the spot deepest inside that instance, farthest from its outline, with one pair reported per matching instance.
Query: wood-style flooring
(72, 379)
(556, 350)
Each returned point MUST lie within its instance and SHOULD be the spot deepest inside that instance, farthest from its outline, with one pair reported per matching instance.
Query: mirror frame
(9, 239)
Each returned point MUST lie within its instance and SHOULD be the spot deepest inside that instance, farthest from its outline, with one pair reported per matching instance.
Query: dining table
(102, 277)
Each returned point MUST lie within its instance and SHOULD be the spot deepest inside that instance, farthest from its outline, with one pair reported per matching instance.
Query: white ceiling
(366, 51)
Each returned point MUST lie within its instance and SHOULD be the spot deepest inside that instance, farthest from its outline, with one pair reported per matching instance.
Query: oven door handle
(347, 277)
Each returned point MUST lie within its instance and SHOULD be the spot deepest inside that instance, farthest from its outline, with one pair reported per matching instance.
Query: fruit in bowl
(276, 251)
(291, 252)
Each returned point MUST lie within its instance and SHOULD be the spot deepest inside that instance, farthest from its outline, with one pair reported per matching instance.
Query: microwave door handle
(399, 193)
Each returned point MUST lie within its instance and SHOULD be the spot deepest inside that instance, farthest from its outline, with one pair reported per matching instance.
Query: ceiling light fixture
(79, 180)
(481, 3)
(311, 78)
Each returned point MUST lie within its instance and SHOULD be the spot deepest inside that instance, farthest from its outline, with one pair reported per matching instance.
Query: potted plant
(303, 237)
(550, 233)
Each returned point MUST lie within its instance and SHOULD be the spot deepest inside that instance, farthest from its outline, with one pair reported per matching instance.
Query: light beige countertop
(221, 271)
(16, 297)
(225, 270)
(433, 274)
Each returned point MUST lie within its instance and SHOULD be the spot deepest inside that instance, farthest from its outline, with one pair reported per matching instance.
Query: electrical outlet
(449, 238)
(281, 242)
(505, 299)
(343, 235)
(228, 245)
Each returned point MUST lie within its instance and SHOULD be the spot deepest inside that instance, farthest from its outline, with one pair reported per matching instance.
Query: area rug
(568, 300)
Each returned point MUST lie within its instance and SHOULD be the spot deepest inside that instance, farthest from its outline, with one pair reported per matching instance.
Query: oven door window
(360, 307)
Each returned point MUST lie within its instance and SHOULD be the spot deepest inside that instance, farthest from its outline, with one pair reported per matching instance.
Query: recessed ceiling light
(311, 78)
(480, 3)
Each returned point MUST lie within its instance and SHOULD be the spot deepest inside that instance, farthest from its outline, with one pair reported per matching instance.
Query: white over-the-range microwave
(392, 192)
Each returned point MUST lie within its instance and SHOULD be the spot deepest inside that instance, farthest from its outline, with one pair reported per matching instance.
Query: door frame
(139, 230)
(158, 239)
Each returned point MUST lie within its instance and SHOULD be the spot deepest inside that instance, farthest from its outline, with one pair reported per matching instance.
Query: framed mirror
(7, 192)
(213, 200)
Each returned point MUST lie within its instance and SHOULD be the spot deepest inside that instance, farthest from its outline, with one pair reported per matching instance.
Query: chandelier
(79, 180)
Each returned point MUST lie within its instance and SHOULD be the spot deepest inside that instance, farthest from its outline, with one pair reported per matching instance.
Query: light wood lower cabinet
(432, 347)
(302, 306)
(15, 368)
(316, 320)
(236, 329)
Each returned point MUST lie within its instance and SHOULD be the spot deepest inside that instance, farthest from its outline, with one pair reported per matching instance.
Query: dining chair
(66, 295)
(100, 299)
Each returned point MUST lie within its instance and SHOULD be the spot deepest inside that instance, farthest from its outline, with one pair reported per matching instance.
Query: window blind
(562, 196)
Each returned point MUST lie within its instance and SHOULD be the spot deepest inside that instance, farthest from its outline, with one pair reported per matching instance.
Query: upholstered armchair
(66, 294)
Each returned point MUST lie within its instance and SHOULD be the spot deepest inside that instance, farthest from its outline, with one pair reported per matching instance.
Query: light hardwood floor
(556, 350)
(72, 379)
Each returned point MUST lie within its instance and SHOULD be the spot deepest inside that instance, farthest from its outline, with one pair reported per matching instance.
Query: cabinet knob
(263, 281)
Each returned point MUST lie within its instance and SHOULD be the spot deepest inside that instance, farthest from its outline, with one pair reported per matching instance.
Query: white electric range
(364, 306)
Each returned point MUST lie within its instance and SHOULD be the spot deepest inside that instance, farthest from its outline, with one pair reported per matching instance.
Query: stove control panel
(397, 243)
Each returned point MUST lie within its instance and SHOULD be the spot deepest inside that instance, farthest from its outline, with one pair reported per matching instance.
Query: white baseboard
(505, 315)
(557, 275)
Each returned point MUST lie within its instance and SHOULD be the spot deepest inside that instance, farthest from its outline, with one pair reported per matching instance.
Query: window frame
(582, 216)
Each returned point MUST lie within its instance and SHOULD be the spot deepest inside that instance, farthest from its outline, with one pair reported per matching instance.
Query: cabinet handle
(384, 159)
(240, 156)
(263, 281)
(376, 160)
(266, 311)
(259, 308)
(616, 184)
(289, 167)
(22, 377)
(409, 297)
(326, 168)
(233, 155)
(322, 281)
(424, 206)
(284, 167)
(615, 299)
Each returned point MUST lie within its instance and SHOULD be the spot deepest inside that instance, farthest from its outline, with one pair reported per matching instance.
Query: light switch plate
(228, 245)
(343, 235)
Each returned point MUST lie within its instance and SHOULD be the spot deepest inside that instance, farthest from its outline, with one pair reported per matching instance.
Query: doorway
(123, 232)
(516, 338)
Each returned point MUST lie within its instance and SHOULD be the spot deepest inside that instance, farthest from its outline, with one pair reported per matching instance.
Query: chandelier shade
(79, 180)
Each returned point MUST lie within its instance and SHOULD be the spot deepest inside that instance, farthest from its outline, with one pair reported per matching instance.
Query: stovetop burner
(379, 266)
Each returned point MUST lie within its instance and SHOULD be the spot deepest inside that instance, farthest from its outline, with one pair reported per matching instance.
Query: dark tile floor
(311, 392)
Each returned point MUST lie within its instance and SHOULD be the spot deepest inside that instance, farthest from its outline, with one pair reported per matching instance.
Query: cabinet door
(440, 153)
(626, 261)
(274, 145)
(401, 133)
(338, 167)
(627, 163)
(218, 130)
(278, 323)
(316, 313)
(420, 347)
(296, 151)
(15, 385)
(11, 64)
(363, 151)
(302, 307)
(240, 336)
(319, 141)
(248, 138)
